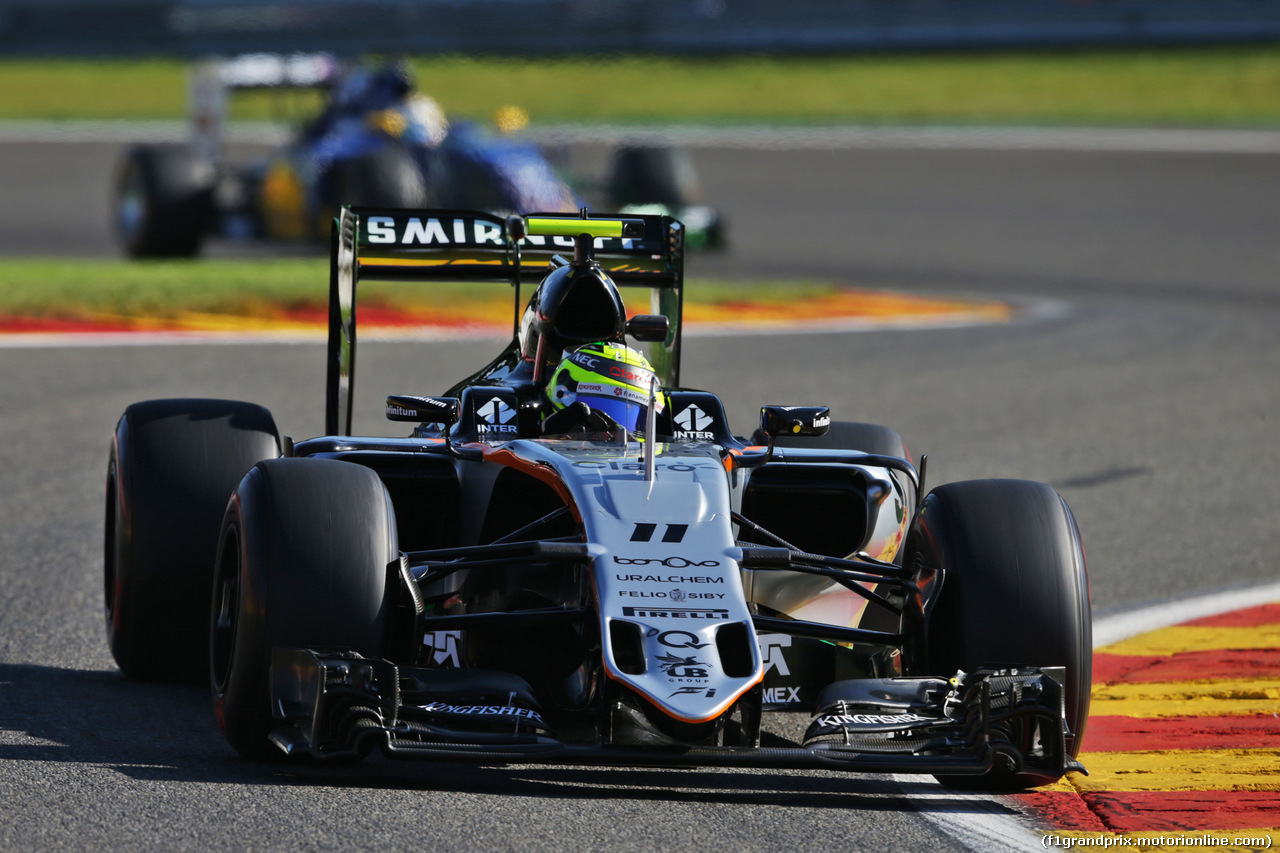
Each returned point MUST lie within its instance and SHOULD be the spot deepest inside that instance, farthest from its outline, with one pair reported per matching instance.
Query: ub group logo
(677, 666)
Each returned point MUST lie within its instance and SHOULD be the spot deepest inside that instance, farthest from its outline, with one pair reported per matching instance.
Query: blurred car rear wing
(383, 244)
(210, 81)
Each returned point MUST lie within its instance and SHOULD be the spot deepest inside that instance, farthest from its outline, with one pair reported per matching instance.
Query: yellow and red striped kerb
(1183, 742)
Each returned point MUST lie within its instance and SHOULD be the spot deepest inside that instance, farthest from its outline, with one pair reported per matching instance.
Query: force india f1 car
(508, 584)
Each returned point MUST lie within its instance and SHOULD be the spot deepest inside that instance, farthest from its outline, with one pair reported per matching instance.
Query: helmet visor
(626, 405)
(627, 413)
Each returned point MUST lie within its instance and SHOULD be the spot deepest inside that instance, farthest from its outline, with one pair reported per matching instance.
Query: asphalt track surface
(1141, 382)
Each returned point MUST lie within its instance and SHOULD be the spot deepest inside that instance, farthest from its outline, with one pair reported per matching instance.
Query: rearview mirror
(649, 327)
(427, 410)
(794, 420)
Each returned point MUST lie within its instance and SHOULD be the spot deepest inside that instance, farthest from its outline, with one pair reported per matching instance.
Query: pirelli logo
(675, 613)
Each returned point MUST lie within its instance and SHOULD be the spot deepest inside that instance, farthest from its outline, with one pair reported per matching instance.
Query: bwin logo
(496, 416)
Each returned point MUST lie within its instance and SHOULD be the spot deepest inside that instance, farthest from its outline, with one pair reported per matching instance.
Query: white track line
(769, 138)
(1113, 629)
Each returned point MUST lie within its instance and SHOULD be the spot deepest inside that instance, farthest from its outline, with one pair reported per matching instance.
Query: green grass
(1207, 87)
(36, 287)
(1237, 86)
(85, 288)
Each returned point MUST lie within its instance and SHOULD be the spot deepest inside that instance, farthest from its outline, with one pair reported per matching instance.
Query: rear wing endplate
(466, 245)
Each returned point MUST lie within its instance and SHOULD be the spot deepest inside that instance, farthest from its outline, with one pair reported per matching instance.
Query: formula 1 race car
(376, 142)
(572, 558)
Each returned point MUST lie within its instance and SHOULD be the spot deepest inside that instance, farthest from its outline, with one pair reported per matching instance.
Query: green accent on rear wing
(572, 226)
(467, 245)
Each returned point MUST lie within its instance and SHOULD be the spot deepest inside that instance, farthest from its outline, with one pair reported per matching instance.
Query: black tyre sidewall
(308, 542)
(172, 465)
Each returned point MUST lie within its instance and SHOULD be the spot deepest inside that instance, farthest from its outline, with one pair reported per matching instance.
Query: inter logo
(496, 416)
(693, 418)
(694, 423)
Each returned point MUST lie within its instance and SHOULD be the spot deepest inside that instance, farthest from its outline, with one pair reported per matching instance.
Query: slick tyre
(387, 177)
(172, 466)
(164, 201)
(653, 175)
(302, 563)
(1015, 592)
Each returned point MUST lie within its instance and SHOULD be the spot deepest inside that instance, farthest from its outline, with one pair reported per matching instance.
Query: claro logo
(680, 467)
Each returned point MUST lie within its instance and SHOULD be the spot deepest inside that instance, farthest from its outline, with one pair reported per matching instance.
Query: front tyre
(173, 463)
(1015, 592)
(302, 563)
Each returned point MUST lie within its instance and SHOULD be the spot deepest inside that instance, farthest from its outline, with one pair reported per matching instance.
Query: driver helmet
(610, 378)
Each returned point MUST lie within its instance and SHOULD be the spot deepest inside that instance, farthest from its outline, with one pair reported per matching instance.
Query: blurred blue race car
(377, 142)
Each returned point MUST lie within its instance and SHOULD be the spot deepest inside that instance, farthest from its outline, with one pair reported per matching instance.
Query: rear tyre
(653, 175)
(172, 466)
(386, 177)
(1015, 593)
(302, 563)
(164, 201)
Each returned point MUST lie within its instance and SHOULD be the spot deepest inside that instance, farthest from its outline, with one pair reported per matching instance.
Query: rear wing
(210, 81)
(466, 245)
